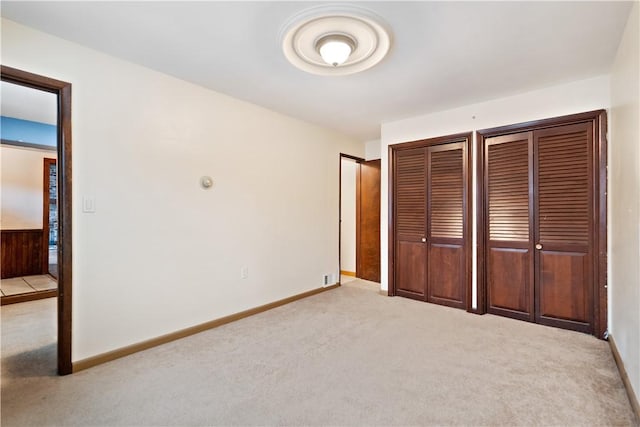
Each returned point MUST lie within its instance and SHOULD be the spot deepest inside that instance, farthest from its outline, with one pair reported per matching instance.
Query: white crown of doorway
(300, 34)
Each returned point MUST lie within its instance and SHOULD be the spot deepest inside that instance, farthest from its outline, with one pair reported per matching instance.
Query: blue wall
(27, 131)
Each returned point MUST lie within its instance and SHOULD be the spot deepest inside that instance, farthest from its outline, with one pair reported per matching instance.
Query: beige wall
(160, 253)
(624, 200)
(21, 180)
(372, 149)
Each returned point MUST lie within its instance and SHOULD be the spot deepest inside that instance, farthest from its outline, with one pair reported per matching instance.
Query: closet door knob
(424, 239)
(538, 246)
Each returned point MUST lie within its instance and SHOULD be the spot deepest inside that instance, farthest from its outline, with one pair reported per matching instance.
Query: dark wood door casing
(63, 92)
(429, 220)
(368, 220)
(565, 251)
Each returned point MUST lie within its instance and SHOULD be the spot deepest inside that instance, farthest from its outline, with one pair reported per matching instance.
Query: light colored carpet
(344, 357)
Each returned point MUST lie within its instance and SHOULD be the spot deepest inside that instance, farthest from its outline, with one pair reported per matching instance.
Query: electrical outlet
(88, 204)
(244, 272)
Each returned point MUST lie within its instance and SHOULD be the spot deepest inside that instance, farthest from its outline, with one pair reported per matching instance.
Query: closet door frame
(466, 139)
(598, 120)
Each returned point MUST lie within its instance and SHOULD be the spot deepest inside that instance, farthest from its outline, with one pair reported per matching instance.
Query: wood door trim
(466, 139)
(63, 92)
(633, 399)
(358, 217)
(30, 296)
(600, 164)
(358, 160)
(47, 162)
(598, 119)
(532, 125)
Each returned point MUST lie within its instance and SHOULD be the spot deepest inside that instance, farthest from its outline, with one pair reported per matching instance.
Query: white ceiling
(444, 54)
(21, 102)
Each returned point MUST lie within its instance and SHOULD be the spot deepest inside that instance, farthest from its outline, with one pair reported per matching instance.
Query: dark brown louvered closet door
(430, 198)
(564, 226)
(539, 211)
(410, 223)
(445, 231)
(509, 263)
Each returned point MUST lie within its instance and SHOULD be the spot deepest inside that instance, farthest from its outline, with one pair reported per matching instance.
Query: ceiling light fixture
(335, 49)
(335, 40)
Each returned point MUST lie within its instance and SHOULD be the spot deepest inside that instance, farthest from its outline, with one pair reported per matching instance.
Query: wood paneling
(368, 220)
(21, 253)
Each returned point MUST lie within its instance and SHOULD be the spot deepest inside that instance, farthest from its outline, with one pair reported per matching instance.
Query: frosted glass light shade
(335, 49)
(335, 52)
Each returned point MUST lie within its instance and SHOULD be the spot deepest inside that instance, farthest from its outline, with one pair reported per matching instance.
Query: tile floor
(23, 285)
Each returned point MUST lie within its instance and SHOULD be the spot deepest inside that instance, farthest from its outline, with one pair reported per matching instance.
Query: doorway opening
(28, 151)
(49, 247)
(359, 251)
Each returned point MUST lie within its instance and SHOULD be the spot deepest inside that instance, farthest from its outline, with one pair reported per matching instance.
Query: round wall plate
(206, 182)
(301, 33)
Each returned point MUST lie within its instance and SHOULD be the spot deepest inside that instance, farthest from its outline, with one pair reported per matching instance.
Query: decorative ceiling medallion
(335, 40)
